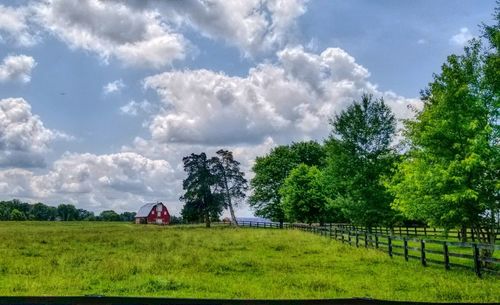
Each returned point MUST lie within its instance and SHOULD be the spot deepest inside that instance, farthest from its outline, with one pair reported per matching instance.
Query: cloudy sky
(99, 101)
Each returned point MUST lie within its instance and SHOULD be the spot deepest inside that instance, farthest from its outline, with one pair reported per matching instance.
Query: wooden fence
(428, 251)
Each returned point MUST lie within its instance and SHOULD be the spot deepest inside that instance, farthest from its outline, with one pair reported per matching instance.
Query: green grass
(136, 260)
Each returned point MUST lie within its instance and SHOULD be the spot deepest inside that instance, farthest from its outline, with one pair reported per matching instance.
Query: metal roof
(145, 209)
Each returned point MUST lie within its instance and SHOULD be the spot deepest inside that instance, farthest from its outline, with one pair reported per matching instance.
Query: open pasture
(89, 258)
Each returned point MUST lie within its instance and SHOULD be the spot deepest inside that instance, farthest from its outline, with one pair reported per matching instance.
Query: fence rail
(441, 252)
(101, 300)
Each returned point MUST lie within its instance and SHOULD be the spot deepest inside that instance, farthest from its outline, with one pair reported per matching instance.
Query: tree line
(442, 169)
(18, 211)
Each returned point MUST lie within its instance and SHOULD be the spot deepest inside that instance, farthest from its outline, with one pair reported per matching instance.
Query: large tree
(303, 195)
(359, 154)
(271, 171)
(231, 179)
(201, 197)
(450, 175)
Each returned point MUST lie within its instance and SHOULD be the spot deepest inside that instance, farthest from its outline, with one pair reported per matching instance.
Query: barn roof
(145, 209)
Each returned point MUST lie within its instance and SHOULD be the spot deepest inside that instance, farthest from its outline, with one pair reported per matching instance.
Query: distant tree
(67, 212)
(201, 197)
(109, 215)
(359, 155)
(231, 179)
(271, 171)
(127, 216)
(15, 214)
(175, 220)
(40, 211)
(450, 175)
(303, 195)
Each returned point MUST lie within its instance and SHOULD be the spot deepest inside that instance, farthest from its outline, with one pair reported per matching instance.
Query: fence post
(446, 256)
(405, 244)
(357, 239)
(335, 233)
(389, 245)
(376, 241)
(342, 236)
(366, 240)
(477, 262)
(422, 253)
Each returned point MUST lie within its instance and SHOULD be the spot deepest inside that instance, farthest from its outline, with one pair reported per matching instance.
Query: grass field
(135, 260)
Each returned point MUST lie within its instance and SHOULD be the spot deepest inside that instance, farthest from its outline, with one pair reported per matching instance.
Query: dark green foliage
(109, 215)
(64, 212)
(303, 195)
(272, 170)
(67, 212)
(359, 154)
(200, 186)
(450, 175)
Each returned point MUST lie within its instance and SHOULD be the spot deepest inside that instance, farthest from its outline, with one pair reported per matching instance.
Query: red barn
(153, 213)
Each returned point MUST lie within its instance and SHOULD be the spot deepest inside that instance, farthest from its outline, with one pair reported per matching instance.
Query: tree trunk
(207, 219)
(463, 233)
(233, 216)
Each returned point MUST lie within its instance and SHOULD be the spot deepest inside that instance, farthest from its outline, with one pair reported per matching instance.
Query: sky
(100, 100)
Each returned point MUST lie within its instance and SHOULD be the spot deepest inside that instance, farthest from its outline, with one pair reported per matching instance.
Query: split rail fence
(450, 254)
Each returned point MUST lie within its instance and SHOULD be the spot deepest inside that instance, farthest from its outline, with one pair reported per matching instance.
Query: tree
(303, 195)
(109, 215)
(15, 214)
(450, 175)
(359, 155)
(40, 211)
(271, 171)
(127, 216)
(67, 212)
(234, 185)
(200, 186)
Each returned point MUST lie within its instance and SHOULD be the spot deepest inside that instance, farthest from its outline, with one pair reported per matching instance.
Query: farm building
(153, 213)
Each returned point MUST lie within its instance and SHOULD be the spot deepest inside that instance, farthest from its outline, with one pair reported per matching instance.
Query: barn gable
(155, 212)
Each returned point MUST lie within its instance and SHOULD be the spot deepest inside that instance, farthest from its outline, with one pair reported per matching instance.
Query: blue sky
(100, 100)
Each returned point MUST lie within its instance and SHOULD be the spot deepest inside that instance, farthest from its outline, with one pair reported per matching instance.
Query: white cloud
(134, 108)
(119, 181)
(290, 100)
(14, 26)
(113, 87)
(112, 30)
(23, 138)
(254, 26)
(461, 38)
(17, 68)
(422, 41)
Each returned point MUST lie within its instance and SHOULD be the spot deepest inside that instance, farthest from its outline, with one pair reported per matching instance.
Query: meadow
(121, 259)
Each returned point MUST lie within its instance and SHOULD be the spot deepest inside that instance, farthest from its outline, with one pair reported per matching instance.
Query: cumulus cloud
(120, 181)
(134, 108)
(112, 30)
(290, 100)
(461, 38)
(17, 68)
(23, 137)
(113, 87)
(254, 26)
(15, 28)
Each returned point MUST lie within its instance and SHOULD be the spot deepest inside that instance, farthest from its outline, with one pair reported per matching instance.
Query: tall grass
(221, 262)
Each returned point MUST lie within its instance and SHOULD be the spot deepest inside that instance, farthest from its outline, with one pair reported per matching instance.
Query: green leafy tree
(17, 215)
(40, 211)
(271, 171)
(303, 195)
(359, 154)
(109, 215)
(67, 212)
(231, 179)
(127, 216)
(201, 197)
(450, 175)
